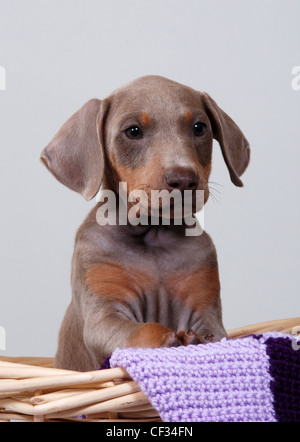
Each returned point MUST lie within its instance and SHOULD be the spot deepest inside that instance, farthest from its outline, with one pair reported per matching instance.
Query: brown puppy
(143, 285)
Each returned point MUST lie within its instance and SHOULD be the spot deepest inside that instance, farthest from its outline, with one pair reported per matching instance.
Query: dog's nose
(181, 179)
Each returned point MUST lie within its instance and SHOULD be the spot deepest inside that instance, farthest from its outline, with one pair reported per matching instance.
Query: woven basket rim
(32, 390)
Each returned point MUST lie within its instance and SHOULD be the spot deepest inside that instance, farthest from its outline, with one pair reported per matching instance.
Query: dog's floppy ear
(75, 156)
(235, 148)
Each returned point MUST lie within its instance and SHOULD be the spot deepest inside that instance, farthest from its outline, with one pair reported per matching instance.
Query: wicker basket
(32, 390)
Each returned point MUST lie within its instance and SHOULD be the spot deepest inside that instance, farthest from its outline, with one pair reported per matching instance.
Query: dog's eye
(134, 133)
(199, 129)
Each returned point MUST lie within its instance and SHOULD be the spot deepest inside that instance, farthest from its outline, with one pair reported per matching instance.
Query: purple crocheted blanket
(255, 378)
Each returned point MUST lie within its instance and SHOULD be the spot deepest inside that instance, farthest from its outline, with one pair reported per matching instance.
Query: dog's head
(153, 134)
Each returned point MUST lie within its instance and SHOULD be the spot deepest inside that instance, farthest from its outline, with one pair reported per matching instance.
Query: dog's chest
(173, 279)
(167, 253)
(160, 276)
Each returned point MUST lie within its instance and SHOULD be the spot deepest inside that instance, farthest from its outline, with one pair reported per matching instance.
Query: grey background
(60, 53)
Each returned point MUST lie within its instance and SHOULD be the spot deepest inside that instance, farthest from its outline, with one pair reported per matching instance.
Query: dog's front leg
(110, 324)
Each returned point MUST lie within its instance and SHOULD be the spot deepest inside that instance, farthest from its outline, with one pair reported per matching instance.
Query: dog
(142, 285)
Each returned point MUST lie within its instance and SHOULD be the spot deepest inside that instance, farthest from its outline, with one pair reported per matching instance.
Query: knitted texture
(285, 385)
(235, 380)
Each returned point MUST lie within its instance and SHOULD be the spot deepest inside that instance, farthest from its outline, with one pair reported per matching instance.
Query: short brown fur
(142, 286)
(114, 280)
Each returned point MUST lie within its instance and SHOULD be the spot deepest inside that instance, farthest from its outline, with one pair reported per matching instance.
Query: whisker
(216, 190)
(216, 198)
(217, 184)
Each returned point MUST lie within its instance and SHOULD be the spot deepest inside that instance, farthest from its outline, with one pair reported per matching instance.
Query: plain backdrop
(60, 53)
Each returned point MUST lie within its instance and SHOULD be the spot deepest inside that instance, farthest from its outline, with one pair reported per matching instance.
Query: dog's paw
(184, 337)
(154, 335)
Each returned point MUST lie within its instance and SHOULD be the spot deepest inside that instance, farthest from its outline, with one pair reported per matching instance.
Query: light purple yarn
(227, 381)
